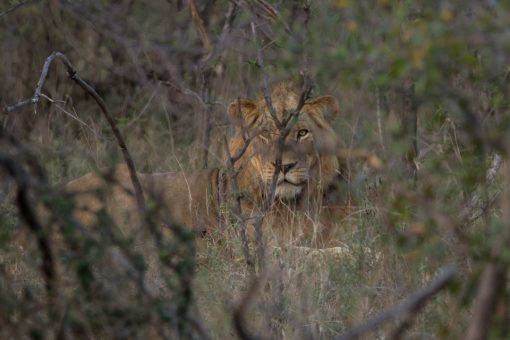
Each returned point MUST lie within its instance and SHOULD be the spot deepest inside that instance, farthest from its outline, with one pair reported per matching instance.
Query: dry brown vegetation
(422, 84)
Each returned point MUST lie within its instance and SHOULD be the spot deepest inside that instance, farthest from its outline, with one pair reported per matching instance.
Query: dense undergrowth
(422, 84)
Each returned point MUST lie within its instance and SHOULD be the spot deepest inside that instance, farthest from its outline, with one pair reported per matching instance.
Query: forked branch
(73, 74)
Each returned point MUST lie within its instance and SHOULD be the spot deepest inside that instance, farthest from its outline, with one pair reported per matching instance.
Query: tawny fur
(194, 198)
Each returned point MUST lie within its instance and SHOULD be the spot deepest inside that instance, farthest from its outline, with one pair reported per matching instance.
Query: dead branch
(265, 77)
(73, 74)
(409, 307)
(237, 209)
(212, 65)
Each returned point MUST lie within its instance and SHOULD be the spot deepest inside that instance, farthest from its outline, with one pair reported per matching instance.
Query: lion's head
(309, 161)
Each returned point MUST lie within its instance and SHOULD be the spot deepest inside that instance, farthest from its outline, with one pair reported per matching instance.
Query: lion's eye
(264, 136)
(301, 133)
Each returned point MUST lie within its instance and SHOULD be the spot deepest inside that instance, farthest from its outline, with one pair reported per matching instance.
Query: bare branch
(410, 306)
(73, 74)
(71, 115)
(265, 78)
(305, 94)
(237, 209)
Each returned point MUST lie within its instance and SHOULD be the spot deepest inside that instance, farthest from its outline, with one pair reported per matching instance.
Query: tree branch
(237, 209)
(73, 74)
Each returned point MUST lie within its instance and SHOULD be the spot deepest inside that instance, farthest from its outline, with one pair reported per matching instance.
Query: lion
(304, 208)
(309, 162)
(299, 200)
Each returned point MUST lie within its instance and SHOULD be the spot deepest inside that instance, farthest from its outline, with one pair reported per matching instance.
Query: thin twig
(69, 114)
(73, 74)
(265, 77)
(410, 306)
(237, 209)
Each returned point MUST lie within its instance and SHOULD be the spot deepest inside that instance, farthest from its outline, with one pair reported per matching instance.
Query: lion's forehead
(282, 103)
(266, 122)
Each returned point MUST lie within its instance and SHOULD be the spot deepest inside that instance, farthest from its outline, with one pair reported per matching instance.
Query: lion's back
(184, 198)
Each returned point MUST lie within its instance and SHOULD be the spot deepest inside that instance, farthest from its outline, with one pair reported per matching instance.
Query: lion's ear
(328, 105)
(243, 112)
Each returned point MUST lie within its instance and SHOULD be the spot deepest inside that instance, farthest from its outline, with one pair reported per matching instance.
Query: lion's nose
(286, 167)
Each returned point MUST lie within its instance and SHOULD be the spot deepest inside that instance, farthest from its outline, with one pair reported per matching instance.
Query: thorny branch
(410, 306)
(73, 74)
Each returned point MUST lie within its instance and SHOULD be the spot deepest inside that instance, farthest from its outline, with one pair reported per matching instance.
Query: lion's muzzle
(291, 180)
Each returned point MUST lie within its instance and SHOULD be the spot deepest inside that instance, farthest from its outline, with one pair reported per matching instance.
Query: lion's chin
(287, 191)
